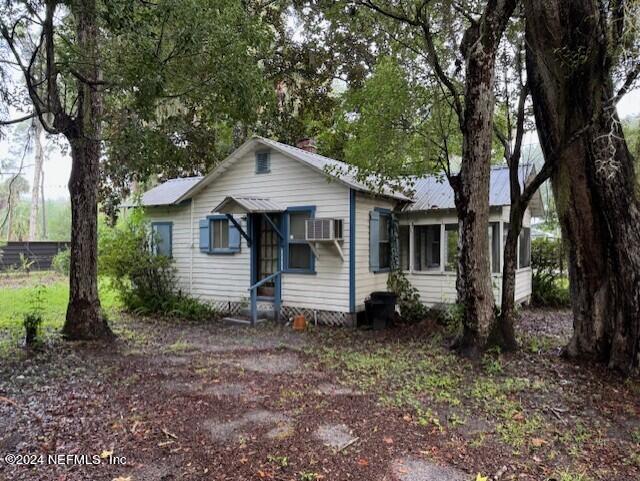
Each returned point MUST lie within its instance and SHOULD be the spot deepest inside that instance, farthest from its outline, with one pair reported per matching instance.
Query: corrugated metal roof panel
(433, 192)
(243, 205)
(168, 192)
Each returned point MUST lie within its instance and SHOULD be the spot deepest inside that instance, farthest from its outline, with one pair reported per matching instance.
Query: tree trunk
(593, 177)
(505, 333)
(43, 208)
(37, 181)
(84, 318)
(471, 186)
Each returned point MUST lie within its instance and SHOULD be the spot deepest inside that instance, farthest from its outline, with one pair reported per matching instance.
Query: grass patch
(16, 302)
(179, 346)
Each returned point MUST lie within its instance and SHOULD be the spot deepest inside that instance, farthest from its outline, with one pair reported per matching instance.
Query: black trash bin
(380, 309)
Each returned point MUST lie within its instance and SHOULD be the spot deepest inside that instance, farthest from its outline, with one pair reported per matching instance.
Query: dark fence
(40, 252)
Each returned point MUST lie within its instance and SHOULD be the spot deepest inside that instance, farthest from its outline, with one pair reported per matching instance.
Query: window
(403, 241)
(219, 232)
(494, 246)
(299, 256)
(218, 235)
(427, 247)
(384, 241)
(525, 247)
(162, 242)
(379, 240)
(451, 247)
(263, 162)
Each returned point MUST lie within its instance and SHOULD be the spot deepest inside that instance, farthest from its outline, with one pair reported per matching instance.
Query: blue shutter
(204, 235)
(374, 245)
(234, 238)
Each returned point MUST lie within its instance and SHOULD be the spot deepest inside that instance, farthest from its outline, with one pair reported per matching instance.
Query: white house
(283, 228)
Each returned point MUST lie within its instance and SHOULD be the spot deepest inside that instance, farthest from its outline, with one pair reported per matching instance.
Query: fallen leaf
(480, 477)
(537, 442)
(122, 478)
(363, 462)
(388, 440)
(106, 454)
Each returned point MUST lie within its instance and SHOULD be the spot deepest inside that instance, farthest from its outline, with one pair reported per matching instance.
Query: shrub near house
(144, 277)
(550, 284)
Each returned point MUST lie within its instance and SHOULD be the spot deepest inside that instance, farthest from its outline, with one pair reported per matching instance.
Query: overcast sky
(57, 166)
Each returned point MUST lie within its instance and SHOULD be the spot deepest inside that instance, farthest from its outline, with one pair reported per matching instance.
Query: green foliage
(25, 264)
(145, 282)
(548, 261)
(411, 308)
(308, 476)
(33, 319)
(451, 316)
(391, 126)
(190, 77)
(61, 262)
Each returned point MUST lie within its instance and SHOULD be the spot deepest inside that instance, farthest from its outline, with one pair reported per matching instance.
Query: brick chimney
(307, 144)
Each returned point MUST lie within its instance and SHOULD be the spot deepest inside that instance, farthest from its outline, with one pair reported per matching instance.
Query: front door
(266, 252)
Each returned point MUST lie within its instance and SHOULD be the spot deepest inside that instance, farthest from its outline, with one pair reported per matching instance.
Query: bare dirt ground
(207, 402)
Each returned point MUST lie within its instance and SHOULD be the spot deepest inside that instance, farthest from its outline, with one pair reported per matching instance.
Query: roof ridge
(306, 152)
(176, 179)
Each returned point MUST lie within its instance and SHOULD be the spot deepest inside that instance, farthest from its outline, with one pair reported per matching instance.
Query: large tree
(577, 50)
(88, 63)
(433, 23)
(513, 96)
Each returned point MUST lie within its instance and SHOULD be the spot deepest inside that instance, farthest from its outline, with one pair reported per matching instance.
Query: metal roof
(167, 193)
(244, 205)
(333, 168)
(433, 192)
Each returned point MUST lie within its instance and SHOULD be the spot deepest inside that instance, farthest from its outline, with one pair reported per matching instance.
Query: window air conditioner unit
(319, 230)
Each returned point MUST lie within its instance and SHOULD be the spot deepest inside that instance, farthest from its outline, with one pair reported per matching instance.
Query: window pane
(451, 247)
(220, 234)
(427, 246)
(297, 225)
(161, 240)
(404, 247)
(525, 247)
(385, 255)
(384, 228)
(299, 256)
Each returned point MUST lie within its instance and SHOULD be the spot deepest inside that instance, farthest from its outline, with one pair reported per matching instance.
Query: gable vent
(263, 163)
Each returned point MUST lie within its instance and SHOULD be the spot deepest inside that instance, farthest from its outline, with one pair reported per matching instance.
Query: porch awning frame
(247, 205)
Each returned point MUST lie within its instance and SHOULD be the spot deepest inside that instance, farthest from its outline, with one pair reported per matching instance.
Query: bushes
(33, 319)
(411, 308)
(550, 286)
(145, 282)
(61, 262)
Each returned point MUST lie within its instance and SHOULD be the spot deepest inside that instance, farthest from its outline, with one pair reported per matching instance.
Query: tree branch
(537, 181)
(628, 83)
(19, 119)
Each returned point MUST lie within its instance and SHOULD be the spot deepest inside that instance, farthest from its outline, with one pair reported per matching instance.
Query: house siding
(226, 278)
(438, 287)
(367, 281)
(180, 217)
